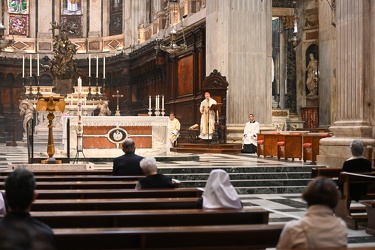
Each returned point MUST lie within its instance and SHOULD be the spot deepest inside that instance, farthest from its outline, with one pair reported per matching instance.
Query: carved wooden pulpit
(217, 86)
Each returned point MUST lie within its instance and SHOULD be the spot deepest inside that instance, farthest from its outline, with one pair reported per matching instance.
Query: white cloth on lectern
(219, 192)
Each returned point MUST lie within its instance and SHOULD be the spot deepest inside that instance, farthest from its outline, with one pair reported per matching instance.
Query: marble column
(95, 22)
(355, 81)
(239, 46)
(44, 19)
(327, 65)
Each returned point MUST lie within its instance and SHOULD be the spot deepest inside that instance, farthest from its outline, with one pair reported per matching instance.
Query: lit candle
(97, 66)
(37, 64)
(149, 102)
(89, 65)
(104, 67)
(162, 102)
(31, 66)
(23, 66)
(79, 85)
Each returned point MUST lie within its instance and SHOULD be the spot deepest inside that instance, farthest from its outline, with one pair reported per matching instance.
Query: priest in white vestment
(174, 128)
(250, 135)
(207, 117)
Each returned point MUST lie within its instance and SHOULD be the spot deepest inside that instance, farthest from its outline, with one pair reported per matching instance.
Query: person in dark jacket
(356, 163)
(153, 179)
(127, 164)
(17, 226)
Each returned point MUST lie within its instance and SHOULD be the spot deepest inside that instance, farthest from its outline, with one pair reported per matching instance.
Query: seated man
(174, 129)
(356, 163)
(153, 179)
(19, 195)
(127, 164)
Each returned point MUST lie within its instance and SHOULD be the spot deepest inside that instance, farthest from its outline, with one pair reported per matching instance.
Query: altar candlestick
(157, 102)
(149, 102)
(97, 66)
(23, 66)
(104, 67)
(89, 65)
(162, 102)
(31, 66)
(37, 64)
(79, 85)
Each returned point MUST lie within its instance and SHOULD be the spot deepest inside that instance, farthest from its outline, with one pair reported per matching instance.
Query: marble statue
(312, 76)
(26, 110)
(103, 108)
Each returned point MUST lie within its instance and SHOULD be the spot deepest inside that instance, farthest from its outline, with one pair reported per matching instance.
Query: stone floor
(284, 207)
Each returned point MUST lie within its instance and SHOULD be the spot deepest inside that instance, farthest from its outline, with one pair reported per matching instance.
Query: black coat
(356, 165)
(156, 181)
(127, 165)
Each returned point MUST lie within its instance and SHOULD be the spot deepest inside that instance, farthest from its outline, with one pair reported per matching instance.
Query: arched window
(115, 22)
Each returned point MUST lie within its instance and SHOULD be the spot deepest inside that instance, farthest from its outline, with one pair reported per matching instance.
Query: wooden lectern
(217, 109)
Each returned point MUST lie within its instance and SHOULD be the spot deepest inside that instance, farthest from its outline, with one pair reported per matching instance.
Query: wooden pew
(311, 144)
(350, 214)
(60, 178)
(58, 172)
(370, 207)
(118, 193)
(113, 204)
(83, 185)
(289, 146)
(152, 218)
(267, 144)
(187, 237)
(332, 173)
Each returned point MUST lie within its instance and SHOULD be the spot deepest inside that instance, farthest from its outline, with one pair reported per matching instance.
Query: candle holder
(97, 89)
(162, 112)
(24, 90)
(89, 95)
(157, 112)
(31, 95)
(104, 97)
(149, 112)
(38, 88)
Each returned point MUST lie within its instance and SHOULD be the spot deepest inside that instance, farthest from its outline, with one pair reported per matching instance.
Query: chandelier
(4, 43)
(172, 47)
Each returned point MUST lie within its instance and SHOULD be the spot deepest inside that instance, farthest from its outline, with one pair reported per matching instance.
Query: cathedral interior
(296, 65)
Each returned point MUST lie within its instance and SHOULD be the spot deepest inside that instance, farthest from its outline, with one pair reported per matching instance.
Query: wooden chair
(311, 146)
(289, 146)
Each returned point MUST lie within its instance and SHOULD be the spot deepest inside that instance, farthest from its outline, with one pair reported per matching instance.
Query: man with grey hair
(153, 179)
(127, 164)
(356, 163)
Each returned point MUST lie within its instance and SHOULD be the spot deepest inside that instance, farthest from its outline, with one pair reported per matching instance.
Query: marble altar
(103, 135)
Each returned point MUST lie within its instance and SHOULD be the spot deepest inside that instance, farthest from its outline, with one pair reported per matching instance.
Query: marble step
(252, 183)
(245, 176)
(238, 169)
(270, 190)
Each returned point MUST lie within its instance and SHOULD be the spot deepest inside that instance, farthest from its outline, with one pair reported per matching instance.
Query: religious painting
(116, 5)
(19, 25)
(73, 21)
(71, 7)
(18, 6)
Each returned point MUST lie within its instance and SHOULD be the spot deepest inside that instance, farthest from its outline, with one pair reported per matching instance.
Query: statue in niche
(26, 110)
(312, 75)
(62, 67)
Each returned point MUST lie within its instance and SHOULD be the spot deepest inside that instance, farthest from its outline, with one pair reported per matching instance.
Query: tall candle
(79, 85)
(149, 102)
(37, 64)
(104, 67)
(97, 66)
(156, 102)
(23, 65)
(162, 102)
(31, 66)
(89, 65)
